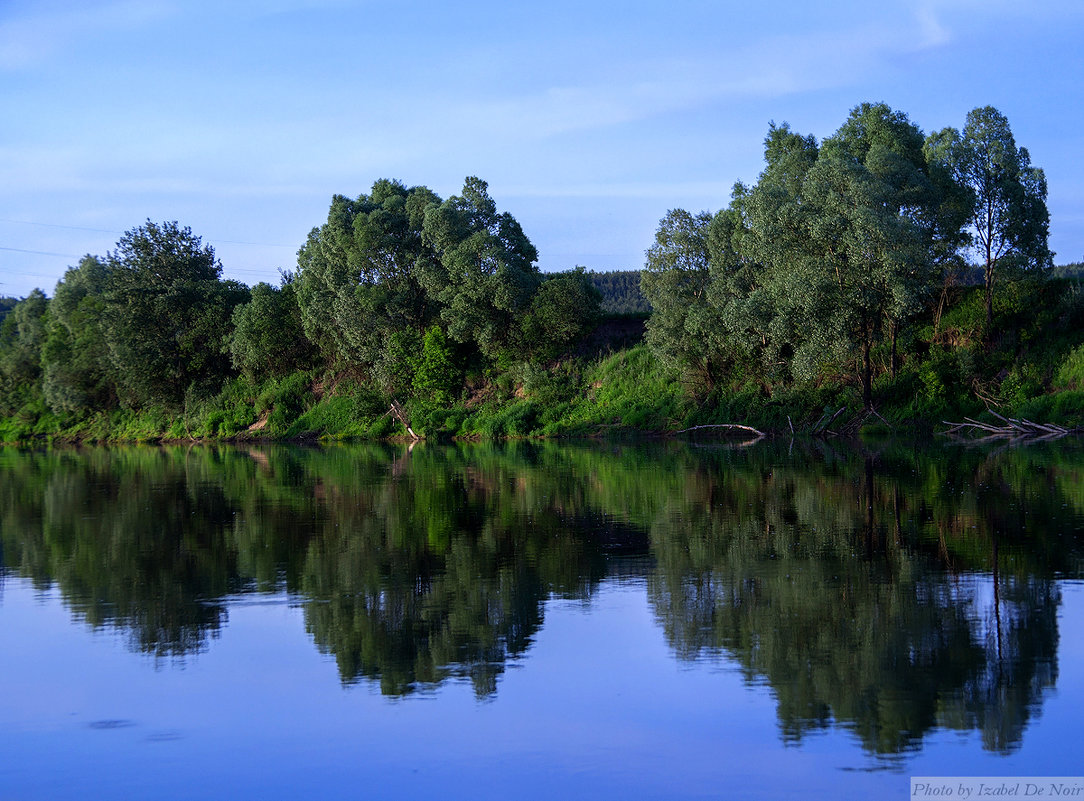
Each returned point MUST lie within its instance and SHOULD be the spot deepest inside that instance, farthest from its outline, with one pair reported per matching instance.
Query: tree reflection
(889, 593)
(129, 538)
(842, 588)
(441, 571)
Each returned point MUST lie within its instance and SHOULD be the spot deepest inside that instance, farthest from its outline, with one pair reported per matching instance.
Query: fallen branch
(401, 416)
(1013, 428)
(722, 425)
(818, 428)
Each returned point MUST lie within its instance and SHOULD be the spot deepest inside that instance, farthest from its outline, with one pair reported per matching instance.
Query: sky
(589, 120)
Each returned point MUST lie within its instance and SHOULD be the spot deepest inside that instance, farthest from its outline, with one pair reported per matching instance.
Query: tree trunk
(867, 376)
(895, 355)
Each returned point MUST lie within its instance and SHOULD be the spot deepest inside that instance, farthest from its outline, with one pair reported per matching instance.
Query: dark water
(537, 621)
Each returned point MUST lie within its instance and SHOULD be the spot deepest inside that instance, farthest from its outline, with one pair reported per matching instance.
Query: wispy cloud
(773, 66)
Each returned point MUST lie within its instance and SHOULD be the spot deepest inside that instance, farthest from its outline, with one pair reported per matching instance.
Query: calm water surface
(537, 621)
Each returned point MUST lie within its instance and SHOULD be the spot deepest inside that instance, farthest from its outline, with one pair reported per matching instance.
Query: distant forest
(620, 291)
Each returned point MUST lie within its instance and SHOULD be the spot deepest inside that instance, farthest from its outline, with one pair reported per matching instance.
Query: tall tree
(268, 339)
(486, 274)
(1007, 216)
(675, 282)
(167, 315)
(850, 241)
(75, 358)
(359, 282)
(22, 336)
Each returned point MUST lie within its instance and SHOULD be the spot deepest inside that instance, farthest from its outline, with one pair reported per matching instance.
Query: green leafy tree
(850, 240)
(6, 305)
(77, 371)
(1007, 215)
(563, 309)
(436, 377)
(268, 339)
(360, 274)
(167, 315)
(705, 275)
(486, 275)
(675, 282)
(22, 336)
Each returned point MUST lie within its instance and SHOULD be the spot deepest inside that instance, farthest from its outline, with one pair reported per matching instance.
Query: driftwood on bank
(722, 425)
(1010, 427)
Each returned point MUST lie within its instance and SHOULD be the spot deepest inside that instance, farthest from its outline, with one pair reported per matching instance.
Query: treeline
(620, 290)
(400, 291)
(840, 246)
(879, 269)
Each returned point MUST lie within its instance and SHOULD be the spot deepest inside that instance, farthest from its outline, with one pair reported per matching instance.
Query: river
(538, 620)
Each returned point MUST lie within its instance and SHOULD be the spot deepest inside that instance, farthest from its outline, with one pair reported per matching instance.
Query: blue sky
(589, 120)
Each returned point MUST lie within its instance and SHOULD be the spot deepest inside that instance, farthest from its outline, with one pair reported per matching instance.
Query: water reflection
(891, 592)
(843, 591)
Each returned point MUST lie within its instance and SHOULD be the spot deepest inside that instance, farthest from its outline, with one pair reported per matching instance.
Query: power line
(42, 252)
(55, 225)
(109, 231)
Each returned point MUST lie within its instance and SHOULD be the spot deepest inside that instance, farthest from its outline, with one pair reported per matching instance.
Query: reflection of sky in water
(597, 707)
(531, 621)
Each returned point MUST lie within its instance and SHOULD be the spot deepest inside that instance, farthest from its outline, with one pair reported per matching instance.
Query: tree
(22, 335)
(849, 235)
(486, 273)
(75, 358)
(389, 265)
(360, 274)
(268, 339)
(675, 282)
(563, 309)
(1007, 215)
(167, 315)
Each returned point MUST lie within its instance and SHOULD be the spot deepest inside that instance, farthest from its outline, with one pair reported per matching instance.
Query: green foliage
(838, 279)
(167, 316)
(620, 291)
(284, 400)
(564, 308)
(22, 337)
(683, 330)
(850, 242)
(436, 378)
(268, 339)
(1006, 215)
(387, 266)
(360, 274)
(1070, 373)
(78, 375)
(6, 305)
(486, 274)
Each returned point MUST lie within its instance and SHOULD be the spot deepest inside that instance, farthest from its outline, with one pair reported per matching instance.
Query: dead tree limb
(722, 425)
(401, 416)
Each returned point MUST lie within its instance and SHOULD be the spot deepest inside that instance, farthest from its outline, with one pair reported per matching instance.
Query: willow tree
(1007, 215)
(675, 281)
(167, 315)
(850, 240)
(359, 274)
(22, 335)
(75, 358)
(486, 274)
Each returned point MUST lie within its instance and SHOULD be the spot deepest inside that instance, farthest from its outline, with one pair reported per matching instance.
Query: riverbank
(622, 393)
